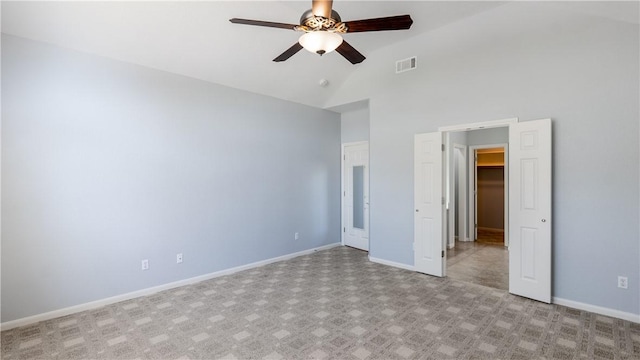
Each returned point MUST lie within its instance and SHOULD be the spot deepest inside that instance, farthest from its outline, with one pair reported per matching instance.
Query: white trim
(506, 195)
(462, 193)
(598, 309)
(342, 194)
(342, 190)
(355, 143)
(343, 222)
(471, 194)
(479, 125)
(391, 263)
(152, 290)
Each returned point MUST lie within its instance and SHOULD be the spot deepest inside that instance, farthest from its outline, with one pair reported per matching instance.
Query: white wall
(529, 60)
(106, 163)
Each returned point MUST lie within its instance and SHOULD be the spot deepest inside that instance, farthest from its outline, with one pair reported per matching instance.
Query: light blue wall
(488, 136)
(355, 125)
(106, 163)
(580, 70)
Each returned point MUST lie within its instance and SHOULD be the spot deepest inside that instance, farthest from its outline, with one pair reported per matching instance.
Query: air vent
(406, 64)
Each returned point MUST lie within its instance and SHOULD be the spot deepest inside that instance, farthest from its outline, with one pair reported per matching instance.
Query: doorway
(490, 196)
(529, 204)
(489, 189)
(482, 258)
(355, 195)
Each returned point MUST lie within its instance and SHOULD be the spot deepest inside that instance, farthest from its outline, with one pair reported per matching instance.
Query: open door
(428, 224)
(530, 209)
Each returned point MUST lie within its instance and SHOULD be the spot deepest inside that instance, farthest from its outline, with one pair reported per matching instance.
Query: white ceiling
(196, 39)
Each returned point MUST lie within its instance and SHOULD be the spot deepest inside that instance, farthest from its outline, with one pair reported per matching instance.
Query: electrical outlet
(145, 264)
(623, 282)
(179, 258)
(296, 236)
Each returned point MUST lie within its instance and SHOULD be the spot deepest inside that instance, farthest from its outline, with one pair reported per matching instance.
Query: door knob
(417, 210)
(544, 220)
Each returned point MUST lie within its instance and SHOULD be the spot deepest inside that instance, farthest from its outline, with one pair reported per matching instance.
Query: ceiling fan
(323, 27)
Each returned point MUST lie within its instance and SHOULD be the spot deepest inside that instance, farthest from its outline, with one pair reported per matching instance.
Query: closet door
(530, 209)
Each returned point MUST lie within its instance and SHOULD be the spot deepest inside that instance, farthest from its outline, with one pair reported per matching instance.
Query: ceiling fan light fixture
(320, 42)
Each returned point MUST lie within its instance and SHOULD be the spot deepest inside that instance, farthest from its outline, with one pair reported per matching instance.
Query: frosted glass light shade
(320, 42)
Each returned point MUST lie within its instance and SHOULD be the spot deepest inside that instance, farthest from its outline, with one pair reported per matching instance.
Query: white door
(428, 224)
(355, 195)
(530, 209)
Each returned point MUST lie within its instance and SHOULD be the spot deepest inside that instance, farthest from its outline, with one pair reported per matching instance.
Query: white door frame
(343, 203)
(446, 184)
(446, 130)
(530, 141)
(473, 205)
(456, 206)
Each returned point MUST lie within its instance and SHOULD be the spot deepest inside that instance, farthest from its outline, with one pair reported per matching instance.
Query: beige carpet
(333, 304)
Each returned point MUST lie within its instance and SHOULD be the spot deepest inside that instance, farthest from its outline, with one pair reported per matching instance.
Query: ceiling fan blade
(322, 8)
(288, 53)
(263, 23)
(350, 53)
(401, 22)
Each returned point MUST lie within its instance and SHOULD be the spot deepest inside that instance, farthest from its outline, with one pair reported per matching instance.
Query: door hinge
(344, 157)
(442, 147)
(443, 201)
(442, 253)
(344, 229)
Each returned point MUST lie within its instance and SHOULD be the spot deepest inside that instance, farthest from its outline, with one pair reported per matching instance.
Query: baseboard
(598, 309)
(152, 290)
(391, 263)
(558, 301)
(493, 230)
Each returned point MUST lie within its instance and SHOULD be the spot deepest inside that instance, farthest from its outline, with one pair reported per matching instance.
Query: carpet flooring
(332, 304)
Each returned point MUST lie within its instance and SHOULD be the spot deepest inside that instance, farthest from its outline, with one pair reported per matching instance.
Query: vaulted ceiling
(196, 39)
